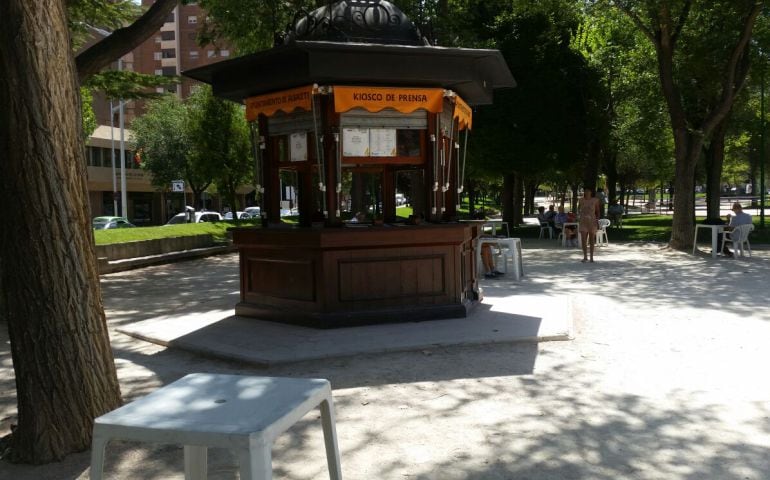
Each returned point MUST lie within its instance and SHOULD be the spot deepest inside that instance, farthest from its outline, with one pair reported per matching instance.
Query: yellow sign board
(286, 101)
(375, 99)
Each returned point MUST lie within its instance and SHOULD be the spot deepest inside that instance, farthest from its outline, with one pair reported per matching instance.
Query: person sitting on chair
(740, 218)
(570, 233)
(615, 213)
(488, 260)
(550, 216)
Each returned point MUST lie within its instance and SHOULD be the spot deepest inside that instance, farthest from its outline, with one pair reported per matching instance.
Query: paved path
(665, 379)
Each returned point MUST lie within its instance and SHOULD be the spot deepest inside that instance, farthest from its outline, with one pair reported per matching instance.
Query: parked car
(253, 211)
(200, 216)
(106, 223)
(238, 215)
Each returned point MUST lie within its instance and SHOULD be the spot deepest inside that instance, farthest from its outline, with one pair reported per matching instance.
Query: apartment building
(169, 52)
(175, 49)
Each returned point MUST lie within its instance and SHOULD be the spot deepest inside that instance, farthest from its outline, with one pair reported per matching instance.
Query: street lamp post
(762, 147)
(112, 161)
(121, 125)
(123, 195)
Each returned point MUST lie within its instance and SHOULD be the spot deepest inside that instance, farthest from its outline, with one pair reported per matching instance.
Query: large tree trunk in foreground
(65, 374)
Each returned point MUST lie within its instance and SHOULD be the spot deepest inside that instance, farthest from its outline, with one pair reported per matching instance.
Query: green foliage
(221, 144)
(89, 118)
(86, 15)
(163, 141)
(128, 85)
(640, 135)
(546, 123)
(247, 25)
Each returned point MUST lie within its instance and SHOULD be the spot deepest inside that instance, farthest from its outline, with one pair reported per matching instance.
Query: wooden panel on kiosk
(349, 276)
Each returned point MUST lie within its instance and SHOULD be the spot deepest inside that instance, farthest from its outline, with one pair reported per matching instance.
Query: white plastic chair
(544, 227)
(738, 236)
(601, 233)
(560, 236)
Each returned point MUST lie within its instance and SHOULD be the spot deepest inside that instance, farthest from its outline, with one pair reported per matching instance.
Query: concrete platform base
(221, 334)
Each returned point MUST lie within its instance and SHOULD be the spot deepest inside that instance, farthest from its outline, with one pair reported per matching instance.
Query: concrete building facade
(172, 50)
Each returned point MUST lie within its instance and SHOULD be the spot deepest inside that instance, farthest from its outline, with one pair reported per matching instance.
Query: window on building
(168, 71)
(159, 89)
(192, 19)
(157, 55)
(192, 36)
(157, 39)
(94, 157)
(169, 35)
(225, 53)
(158, 71)
(169, 53)
(211, 53)
(170, 18)
(171, 88)
(193, 53)
(106, 158)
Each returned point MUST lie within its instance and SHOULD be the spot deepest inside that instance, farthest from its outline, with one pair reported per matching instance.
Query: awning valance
(463, 114)
(286, 101)
(375, 99)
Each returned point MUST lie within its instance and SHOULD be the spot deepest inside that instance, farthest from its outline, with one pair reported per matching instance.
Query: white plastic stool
(201, 410)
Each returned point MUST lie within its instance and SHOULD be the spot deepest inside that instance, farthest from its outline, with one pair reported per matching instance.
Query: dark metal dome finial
(364, 21)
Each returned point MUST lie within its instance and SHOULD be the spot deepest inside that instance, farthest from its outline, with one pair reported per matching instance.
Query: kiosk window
(408, 143)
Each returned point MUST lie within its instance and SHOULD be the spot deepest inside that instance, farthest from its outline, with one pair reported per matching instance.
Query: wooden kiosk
(338, 127)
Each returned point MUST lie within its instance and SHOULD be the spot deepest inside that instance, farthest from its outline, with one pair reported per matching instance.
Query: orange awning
(286, 101)
(374, 99)
(463, 113)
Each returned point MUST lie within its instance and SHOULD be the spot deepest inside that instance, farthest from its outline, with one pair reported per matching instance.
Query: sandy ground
(666, 379)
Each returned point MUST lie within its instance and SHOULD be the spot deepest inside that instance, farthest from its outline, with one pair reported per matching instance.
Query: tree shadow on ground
(486, 412)
(645, 275)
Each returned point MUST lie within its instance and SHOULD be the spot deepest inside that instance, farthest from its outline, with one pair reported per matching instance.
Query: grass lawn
(636, 228)
(650, 228)
(121, 235)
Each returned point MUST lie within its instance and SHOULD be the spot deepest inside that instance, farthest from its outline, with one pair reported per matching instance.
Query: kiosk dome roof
(360, 21)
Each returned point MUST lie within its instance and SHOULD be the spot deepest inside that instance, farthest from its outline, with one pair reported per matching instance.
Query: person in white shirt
(740, 218)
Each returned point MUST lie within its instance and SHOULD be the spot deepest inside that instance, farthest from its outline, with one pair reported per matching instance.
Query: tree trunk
(688, 149)
(715, 155)
(591, 167)
(530, 188)
(507, 198)
(518, 205)
(574, 201)
(611, 170)
(471, 197)
(65, 374)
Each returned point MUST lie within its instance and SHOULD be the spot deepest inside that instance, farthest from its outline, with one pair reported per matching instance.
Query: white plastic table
(715, 231)
(202, 410)
(514, 247)
(494, 223)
